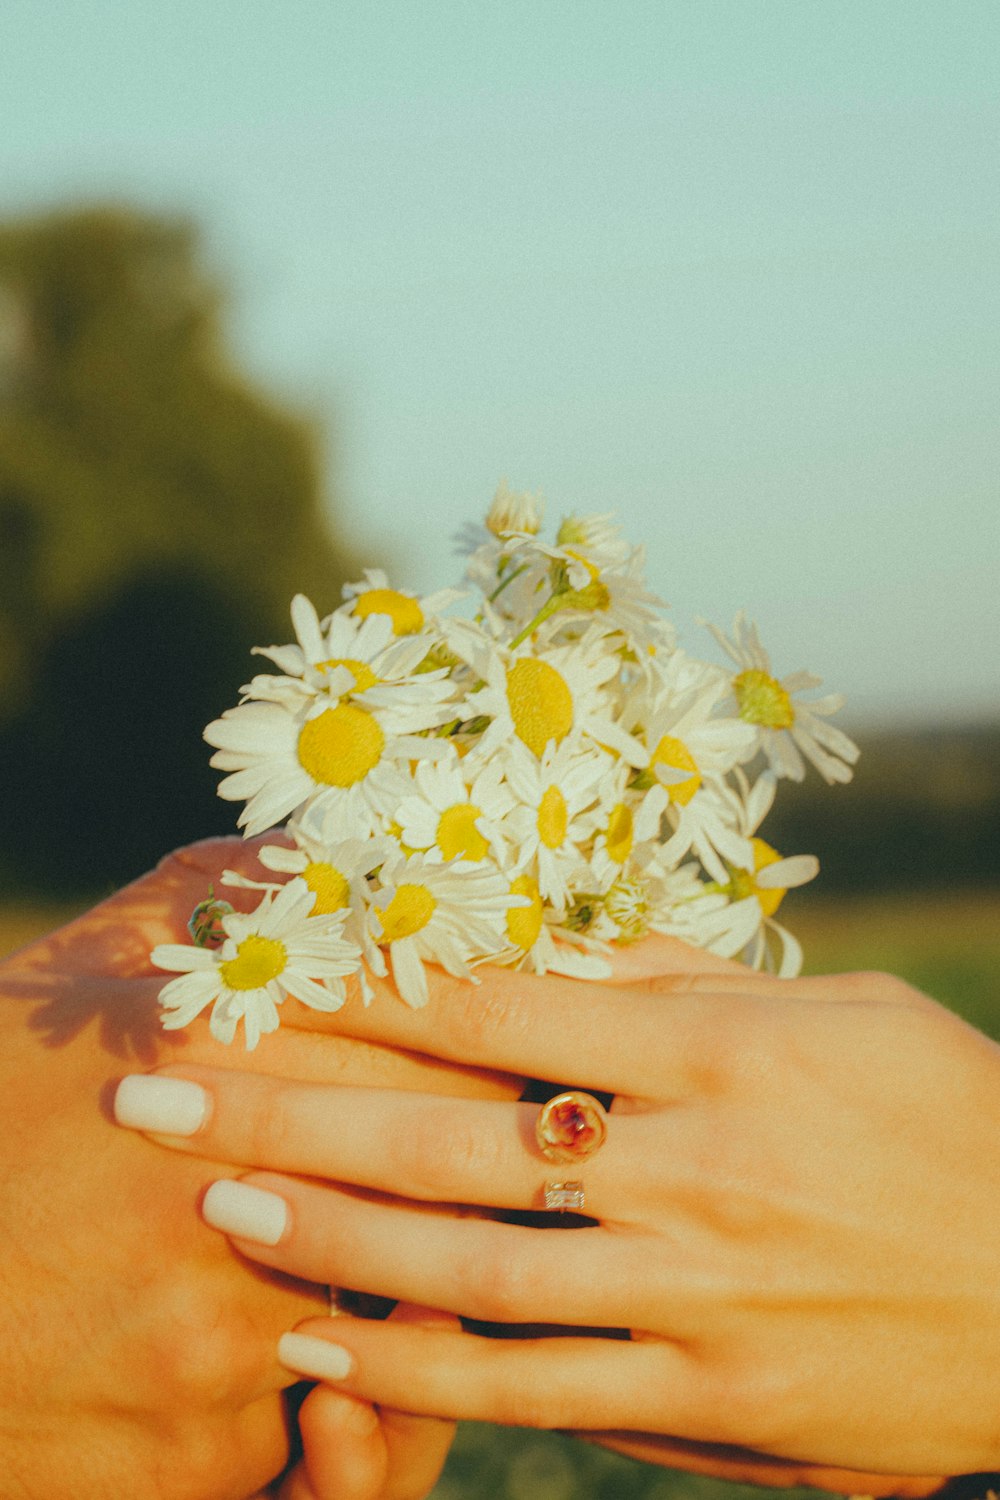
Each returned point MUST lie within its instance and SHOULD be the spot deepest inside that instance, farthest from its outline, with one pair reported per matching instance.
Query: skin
(139, 1350)
(792, 1208)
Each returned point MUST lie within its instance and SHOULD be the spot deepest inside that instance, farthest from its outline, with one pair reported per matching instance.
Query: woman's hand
(794, 1220)
(138, 1350)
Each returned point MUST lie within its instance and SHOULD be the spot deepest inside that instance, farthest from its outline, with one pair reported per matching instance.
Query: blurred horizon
(729, 270)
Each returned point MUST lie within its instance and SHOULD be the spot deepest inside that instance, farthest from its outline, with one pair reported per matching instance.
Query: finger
(475, 1267)
(657, 954)
(745, 1466)
(543, 1028)
(345, 1454)
(544, 1383)
(354, 1451)
(414, 1145)
(417, 1447)
(652, 1038)
(256, 1447)
(326, 1057)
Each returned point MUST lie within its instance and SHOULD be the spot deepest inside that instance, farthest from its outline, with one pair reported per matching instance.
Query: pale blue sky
(728, 267)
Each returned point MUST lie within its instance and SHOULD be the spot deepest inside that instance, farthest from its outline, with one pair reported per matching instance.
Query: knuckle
(267, 1126)
(204, 857)
(484, 1019)
(440, 1153)
(874, 984)
(508, 1286)
(658, 986)
(208, 1351)
(726, 1184)
(190, 1453)
(733, 1049)
(754, 1405)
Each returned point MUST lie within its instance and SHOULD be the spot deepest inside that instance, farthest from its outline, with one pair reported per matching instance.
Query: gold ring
(571, 1127)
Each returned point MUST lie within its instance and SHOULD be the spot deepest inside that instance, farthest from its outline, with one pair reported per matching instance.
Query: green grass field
(947, 945)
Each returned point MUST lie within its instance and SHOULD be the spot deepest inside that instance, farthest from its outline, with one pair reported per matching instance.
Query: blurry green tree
(157, 513)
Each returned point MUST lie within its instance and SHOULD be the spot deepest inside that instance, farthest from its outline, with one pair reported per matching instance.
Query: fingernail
(249, 1213)
(169, 1106)
(314, 1357)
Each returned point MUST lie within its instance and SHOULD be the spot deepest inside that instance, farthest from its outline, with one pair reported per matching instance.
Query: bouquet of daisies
(524, 782)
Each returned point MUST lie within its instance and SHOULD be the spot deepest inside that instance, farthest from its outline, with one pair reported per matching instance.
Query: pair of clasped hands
(792, 1215)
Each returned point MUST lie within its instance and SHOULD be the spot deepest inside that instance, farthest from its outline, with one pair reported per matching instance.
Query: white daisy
(337, 872)
(624, 603)
(585, 546)
(642, 889)
(613, 827)
(447, 914)
(737, 917)
(544, 696)
(447, 817)
(690, 754)
(539, 946)
(590, 572)
(278, 950)
(408, 612)
(785, 727)
(338, 759)
(548, 826)
(362, 659)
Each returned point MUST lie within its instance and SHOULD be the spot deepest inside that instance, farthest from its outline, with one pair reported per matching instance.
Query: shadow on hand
(97, 969)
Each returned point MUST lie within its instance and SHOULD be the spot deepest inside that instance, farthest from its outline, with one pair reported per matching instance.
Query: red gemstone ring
(570, 1128)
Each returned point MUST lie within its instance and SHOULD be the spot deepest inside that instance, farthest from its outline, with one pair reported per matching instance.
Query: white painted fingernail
(314, 1357)
(169, 1106)
(249, 1213)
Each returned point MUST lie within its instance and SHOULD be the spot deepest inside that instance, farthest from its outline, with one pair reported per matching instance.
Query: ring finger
(421, 1146)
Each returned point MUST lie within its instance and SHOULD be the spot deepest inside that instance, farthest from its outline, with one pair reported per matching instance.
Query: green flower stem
(554, 603)
(505, 581)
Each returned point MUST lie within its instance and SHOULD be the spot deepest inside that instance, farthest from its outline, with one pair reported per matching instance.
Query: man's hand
(138, 1349)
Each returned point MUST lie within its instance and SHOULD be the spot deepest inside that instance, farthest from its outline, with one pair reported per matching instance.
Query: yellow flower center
(743, 883)
(457, 835)
(552, 818)
(411, 908)
(619, 836)
(330, 887)
(762, 700)
(626, 903)
(405, 613)
(362, 673)
(258, 960)
(541, 705)
(524, 923)
(675, 754)
(341, 745)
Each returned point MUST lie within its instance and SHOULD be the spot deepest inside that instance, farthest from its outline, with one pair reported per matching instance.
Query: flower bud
(513, 512)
